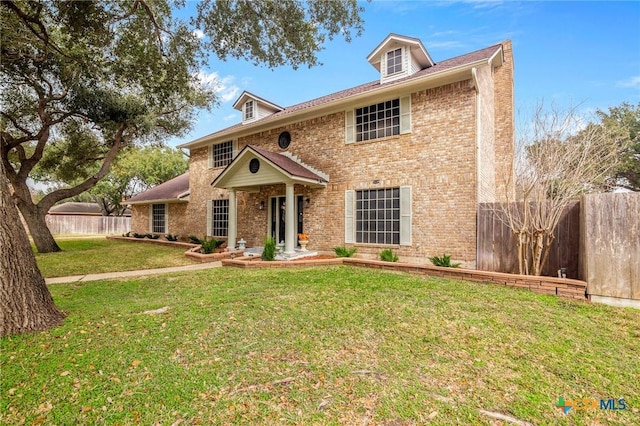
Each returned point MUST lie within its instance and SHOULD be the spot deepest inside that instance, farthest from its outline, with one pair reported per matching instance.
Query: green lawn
(97, 255)
(333, 345)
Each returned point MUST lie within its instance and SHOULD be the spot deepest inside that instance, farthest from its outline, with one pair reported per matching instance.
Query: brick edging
(562, 287)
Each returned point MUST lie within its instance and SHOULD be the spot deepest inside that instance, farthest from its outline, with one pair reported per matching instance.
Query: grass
(333, 345)
(98, 255)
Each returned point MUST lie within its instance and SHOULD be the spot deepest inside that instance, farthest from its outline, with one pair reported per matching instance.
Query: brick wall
(437, 159)
(504, 124)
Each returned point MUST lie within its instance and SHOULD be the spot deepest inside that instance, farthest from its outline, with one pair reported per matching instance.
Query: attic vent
(284, 140)
(254, 165)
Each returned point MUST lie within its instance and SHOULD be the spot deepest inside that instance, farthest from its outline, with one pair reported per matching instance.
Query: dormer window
(398, 57)
(248, 110)
(254, 108)
(394, 61)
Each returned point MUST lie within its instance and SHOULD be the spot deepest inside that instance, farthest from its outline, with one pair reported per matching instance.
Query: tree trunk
(25, 302)
(37, 223)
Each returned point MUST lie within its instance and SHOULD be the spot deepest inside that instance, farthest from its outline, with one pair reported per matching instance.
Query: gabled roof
(282, 169)
(245, 96)
(171, 191)
(288, 165)
(441, 70)
(418, 50)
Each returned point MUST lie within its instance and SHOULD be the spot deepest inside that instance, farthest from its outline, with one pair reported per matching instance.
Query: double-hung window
(159, 218)
(220, 218)
(378, 120)
(221, 154)
(378, 216)
(249, 112)
(394, 61)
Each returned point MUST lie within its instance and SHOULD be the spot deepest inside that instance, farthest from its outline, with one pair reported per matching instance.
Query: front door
(277, 218)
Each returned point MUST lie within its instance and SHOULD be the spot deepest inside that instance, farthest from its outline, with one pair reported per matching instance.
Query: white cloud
(198, 33)
(633, 82)
(223, 87)
(230, 117)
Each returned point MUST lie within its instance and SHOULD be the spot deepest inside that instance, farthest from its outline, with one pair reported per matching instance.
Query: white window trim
(253, 110)
(405, 121)
(406, 207)
(402, 62)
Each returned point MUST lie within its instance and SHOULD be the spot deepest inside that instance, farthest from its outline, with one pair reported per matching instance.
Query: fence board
(611, 244)
(78, 224)
(497, 244)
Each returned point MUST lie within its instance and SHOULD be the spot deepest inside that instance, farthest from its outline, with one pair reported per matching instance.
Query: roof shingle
(175, 188)
(458, 61)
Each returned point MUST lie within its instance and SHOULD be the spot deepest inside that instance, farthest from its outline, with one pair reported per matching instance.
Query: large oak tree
(97, 76)
(90, 78)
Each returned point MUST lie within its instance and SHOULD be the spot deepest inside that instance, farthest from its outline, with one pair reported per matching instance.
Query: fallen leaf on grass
(45, 407)
(136, 363)
(65, 373)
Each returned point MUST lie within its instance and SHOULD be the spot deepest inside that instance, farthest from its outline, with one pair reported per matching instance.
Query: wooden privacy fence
(497, 244)
(78, 224)
(611, 244)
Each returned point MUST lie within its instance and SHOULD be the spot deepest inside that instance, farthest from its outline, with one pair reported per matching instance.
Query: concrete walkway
(128, 274)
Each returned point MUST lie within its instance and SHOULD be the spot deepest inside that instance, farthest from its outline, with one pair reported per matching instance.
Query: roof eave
(160, 201)
(391, 87)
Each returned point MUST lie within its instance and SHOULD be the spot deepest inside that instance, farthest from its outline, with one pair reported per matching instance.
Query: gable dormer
(254, 107)
(399, 56)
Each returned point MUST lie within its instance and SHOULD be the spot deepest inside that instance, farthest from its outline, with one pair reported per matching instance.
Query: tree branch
(33, 24)
(53, 197)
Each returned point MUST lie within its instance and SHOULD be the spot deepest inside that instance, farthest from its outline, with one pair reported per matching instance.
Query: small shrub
(269, 252)
(171, 237)
(136, 235)
(195, 240)
(342, 251)
(153, 236)
(388, 256)
(444, 261)
(208, 246)
(126, 234)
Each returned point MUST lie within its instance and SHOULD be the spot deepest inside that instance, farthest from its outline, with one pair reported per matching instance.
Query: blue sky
(567, 53)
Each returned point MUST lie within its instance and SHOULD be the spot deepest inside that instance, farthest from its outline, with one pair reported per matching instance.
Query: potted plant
(303, 240)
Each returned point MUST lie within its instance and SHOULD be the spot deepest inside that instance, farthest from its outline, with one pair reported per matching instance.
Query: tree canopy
(623, 123)
(136, 170)
(82, 80)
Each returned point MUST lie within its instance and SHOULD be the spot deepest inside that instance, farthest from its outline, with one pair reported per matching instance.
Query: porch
(254, 169)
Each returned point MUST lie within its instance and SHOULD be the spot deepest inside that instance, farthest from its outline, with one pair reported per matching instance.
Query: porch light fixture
(307, 202)
(261, 206)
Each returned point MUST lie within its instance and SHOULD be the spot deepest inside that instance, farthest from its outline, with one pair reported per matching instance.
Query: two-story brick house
(401, 162)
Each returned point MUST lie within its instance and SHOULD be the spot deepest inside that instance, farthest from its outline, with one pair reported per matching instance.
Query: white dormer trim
(249, 111)
(401, 61)
(254, 107)
(414, 57)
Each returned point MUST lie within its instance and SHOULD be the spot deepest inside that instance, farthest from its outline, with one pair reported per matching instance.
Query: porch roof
(273, 168)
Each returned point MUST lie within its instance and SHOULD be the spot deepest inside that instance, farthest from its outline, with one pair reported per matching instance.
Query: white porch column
(233, 221)
(290, 220)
